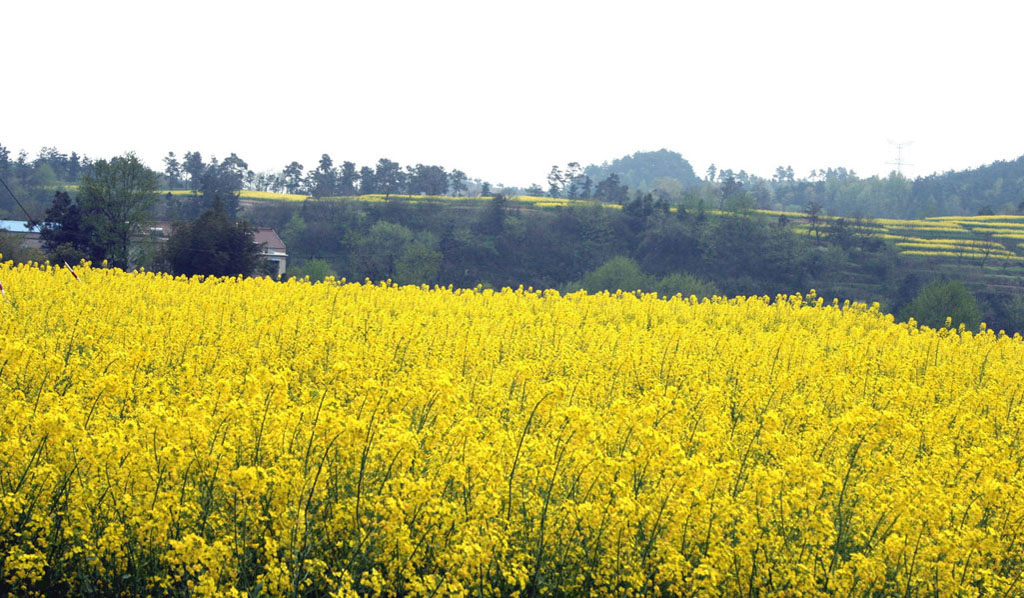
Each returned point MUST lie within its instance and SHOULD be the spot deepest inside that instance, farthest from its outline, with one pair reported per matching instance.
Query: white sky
(505, 90)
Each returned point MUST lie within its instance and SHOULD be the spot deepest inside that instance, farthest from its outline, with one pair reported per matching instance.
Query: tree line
(326, 180)
(997, 188)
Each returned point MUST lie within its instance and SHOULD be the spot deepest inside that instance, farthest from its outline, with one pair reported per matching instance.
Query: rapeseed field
(227, 437)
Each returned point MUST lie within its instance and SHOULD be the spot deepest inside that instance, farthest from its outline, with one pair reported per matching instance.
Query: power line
(15, 197)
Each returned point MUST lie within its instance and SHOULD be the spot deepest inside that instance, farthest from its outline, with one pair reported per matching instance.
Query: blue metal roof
(15, 226)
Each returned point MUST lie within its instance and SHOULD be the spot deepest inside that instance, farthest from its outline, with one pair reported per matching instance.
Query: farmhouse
(22, 234)
(272, 247)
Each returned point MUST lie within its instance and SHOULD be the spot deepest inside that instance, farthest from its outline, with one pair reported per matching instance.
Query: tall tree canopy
(213, 245)
(63, 232)
(115, 200)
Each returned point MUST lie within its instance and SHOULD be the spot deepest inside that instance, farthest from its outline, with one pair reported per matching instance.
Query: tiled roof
(268, 237)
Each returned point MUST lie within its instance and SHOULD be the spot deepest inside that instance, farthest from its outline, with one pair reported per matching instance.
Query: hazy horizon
(504, 93)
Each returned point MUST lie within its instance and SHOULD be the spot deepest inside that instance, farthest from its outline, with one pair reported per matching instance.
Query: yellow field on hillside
(230, 437)
(991, 240)
(247, 194)
(537, 201)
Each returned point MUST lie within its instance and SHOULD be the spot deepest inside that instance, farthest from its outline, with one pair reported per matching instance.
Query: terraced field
(987, 251)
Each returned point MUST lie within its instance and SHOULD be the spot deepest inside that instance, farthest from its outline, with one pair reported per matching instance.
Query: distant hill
(993, 188)
(642, 169)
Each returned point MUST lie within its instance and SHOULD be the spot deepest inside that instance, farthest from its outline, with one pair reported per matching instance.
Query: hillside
(996, 188)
